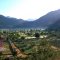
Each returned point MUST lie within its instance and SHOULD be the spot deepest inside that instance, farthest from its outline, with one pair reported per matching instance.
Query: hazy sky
(28, 9)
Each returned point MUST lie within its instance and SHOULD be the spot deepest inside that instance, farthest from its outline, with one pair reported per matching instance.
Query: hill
(43, 22)
(7, 22)
(55, 26)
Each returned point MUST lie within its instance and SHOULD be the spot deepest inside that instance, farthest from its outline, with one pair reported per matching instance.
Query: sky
(28, 9)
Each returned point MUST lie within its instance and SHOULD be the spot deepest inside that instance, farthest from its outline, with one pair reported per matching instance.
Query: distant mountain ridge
(6, 22)
(43, 22)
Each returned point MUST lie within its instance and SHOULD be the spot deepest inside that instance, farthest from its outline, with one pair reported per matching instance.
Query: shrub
(22, 37)
(37, 35)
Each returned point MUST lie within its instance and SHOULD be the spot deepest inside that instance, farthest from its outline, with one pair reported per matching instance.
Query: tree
(22, 37)
(37, 35)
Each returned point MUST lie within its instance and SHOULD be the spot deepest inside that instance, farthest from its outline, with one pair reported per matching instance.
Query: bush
(22, 37)
(37, 35)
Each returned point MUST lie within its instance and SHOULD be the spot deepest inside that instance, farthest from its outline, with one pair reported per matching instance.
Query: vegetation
(37, 35)
(19, 47)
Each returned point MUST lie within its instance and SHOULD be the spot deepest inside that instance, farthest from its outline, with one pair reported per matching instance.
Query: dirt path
(19, 53)
(55, 48)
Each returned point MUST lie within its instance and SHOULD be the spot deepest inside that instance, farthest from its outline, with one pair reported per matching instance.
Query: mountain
(7, 22)
(55, 26)
(43, 22)
(49, 18)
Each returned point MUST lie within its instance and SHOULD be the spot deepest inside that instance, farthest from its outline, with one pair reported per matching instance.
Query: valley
(30, 45)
